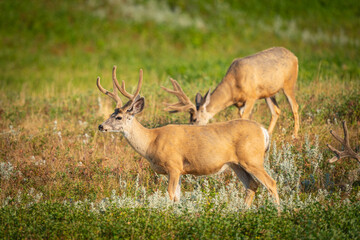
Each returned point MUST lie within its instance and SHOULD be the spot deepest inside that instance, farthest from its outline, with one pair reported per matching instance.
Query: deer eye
(118, 118)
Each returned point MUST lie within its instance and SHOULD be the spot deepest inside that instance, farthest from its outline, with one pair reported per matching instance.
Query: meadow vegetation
(61, 178)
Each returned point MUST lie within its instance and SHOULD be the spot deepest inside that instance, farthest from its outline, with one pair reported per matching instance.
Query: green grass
(57, 221)
(51, 152)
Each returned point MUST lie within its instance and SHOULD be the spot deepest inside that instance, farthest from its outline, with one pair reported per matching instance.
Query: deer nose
(101, 128)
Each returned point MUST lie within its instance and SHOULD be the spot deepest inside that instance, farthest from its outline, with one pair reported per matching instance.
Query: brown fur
(261, 75)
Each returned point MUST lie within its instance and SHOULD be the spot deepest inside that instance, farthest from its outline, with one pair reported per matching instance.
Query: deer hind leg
(275, 112)
(250, 184)
(245, 110)
(290, 95)
(260, 173)
(174, 186)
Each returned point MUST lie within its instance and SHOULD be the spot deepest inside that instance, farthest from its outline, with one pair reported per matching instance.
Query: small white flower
(55, 125)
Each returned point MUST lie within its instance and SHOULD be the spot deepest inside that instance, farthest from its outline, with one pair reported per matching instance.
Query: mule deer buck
(261, 75)
(175, 150)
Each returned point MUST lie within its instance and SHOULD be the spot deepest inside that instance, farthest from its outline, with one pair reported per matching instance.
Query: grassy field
(61, 178)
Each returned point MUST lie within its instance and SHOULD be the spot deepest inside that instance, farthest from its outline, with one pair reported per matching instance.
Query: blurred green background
(60, 47)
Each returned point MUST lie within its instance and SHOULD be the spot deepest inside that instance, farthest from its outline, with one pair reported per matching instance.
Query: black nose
(101, 127)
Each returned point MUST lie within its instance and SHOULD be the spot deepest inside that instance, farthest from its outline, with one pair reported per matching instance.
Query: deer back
(257, 76)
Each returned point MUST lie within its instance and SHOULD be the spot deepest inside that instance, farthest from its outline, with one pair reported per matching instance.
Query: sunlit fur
(175, 150)
(258, 76)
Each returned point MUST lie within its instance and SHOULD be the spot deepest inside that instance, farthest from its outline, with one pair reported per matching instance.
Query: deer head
(198, 113)
(202, 116)
(122, 118)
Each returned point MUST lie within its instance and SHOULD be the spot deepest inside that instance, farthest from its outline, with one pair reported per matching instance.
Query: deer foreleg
(246, 109)
(174, 186)
(240, 106)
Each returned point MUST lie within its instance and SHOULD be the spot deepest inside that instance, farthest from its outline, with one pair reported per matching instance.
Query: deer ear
(137, 106)
(207, 98)
(198, 100)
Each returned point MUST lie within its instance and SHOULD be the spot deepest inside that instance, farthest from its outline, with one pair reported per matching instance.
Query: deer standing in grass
(261, 75)
(175, 150)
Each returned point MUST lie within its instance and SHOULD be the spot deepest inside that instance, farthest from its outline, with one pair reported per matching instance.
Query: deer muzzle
(101, 128)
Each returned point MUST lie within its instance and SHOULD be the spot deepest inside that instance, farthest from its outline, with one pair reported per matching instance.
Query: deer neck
(138, 136)
(220, 99)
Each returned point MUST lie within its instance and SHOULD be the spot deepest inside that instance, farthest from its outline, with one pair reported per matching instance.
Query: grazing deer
(258, 76)
(175, 150)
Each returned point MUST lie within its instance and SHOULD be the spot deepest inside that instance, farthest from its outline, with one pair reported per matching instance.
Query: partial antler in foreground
(348, 152)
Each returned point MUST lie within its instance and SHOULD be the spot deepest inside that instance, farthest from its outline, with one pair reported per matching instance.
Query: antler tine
(176, 107)
(346, 135)
(114, 86)
(103, 90)
(139, 84)
(184, 103)
(348, 152)
(113, 94)
(123, 90)
(114, 80)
